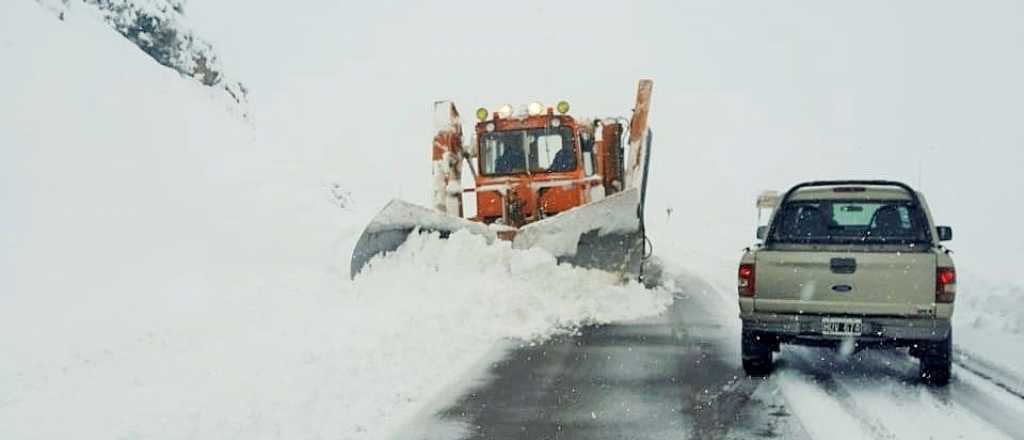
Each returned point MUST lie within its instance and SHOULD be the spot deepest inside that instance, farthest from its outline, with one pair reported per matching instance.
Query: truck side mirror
(762, 232)
(945, 233)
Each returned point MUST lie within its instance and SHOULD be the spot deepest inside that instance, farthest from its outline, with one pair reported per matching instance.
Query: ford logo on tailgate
(842, 288)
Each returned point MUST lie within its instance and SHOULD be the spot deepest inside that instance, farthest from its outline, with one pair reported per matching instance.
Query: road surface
(678, 376)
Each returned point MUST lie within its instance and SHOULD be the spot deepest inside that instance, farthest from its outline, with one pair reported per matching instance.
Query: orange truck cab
(542, 179)
(537, 165)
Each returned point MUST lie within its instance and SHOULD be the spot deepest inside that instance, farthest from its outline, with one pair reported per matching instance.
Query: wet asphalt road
(678, 376)
(656, 378)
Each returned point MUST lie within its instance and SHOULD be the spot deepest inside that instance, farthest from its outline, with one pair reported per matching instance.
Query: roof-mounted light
(535, 108)
(505, 111)
(481, 114)
(563, 107)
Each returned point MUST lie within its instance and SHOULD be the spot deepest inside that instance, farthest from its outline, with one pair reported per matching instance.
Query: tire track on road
(879, 389)
(1001, 412)
(1009, 382)
(1000, 407)
(826, 381)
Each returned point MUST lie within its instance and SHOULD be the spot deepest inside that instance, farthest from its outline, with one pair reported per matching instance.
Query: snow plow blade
(562, 209)
(603, 235)
(393, 225)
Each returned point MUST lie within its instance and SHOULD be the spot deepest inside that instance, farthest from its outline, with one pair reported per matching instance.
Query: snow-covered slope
(989, 325)
(167, 270)
(171, 271)
(159, 29)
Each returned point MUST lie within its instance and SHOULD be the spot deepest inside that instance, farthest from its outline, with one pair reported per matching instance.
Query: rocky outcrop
(158, 28)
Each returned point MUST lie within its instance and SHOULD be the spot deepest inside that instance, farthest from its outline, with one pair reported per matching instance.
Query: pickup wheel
(937, 361)
(757, 354)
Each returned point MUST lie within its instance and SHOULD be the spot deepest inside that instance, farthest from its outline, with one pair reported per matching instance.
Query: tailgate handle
(843, 265)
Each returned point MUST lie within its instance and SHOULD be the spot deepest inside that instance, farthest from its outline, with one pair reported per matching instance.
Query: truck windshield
(542, 149)
(850, 221)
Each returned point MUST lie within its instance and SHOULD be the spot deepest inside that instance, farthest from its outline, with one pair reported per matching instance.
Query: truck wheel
(937, 361)
(757, 354)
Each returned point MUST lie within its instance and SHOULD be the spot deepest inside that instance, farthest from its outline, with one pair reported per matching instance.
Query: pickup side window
(850, 221)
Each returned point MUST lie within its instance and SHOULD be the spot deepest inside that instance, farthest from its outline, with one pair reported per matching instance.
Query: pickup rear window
(850, 221)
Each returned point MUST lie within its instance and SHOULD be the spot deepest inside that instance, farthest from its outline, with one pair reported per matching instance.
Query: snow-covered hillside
(159, 29)
(170, 271)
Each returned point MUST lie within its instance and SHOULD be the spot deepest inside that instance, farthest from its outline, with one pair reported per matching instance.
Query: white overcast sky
(748, 95)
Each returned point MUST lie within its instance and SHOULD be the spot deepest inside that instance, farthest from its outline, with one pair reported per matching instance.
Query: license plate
(841, 326)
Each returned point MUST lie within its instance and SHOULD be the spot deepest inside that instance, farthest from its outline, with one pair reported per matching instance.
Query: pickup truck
(849, 264)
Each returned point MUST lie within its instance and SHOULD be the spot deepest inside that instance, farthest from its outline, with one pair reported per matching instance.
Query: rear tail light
(945, 285)
(746, 279)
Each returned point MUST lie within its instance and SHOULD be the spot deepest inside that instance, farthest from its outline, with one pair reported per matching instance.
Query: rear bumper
(808, 328)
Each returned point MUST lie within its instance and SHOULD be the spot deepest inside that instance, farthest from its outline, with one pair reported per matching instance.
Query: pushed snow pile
(516, 293)
(427, 312)
(285, 351)
(168, 271)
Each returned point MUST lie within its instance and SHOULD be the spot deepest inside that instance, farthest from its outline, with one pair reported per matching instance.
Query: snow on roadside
(988, 325)
(446, 303)
(168, 272)
(159, 29)
(521, 293)
(988, 306)
(304, 354)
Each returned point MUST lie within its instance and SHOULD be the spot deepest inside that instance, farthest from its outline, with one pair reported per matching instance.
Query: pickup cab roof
(850, 192)
(854, 191)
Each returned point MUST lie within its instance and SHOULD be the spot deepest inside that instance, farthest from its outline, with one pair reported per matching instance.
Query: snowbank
(988, 326)
(158, 28)
(517, 293)
(993, 307)
(166, 271)
(298, 353)
(446, 302)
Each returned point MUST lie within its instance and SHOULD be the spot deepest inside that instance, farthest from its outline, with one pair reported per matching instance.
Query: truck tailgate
(855, 283)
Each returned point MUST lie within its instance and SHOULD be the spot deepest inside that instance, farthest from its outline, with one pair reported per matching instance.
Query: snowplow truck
(575, 188)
